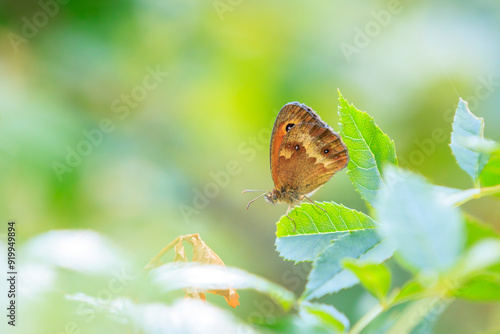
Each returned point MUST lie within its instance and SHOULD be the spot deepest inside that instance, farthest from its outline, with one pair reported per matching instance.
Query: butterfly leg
(293, 221)
(314, 203)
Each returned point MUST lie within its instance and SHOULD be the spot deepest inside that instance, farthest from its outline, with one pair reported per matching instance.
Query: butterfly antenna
(256, 198)
(251, 191)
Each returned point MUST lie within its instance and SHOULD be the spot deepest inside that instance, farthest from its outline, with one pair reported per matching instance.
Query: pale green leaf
(476, 276)
(176, 276)
(410, 291)
(490, 176)
(325, 316)
(477, 230)
(427, 233)
(419, 315)
(156, 318)
(369, 149)
(481, 144)
(82, 251)
(376, 278)
(329, 276)
(305, 247)
(481, 288)
(481, 256)
(466, 128)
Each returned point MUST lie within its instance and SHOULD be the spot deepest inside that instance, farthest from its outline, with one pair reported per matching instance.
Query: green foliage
(409, 291)
(176, 276)
(160, 318)
(376, 278)
(313, 230)
(450, 256)
(310, 219)
(449, 253)
(477, 230)
(466, 126)
(369, 149)
(328, 274)
(452, 197)
(324, 315)
(482, 288)
(490, 176)
(430, 238)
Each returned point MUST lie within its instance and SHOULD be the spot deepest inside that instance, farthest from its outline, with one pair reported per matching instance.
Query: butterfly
(305, 153)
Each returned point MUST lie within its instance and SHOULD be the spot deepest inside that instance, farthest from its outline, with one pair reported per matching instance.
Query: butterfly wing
(309, 155)
(292, 114)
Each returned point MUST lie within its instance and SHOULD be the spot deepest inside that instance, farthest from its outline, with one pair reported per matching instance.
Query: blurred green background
(224, 69)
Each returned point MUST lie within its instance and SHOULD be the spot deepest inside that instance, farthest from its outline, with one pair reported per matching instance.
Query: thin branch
(488, 191)
(366, 319)
(156, 260)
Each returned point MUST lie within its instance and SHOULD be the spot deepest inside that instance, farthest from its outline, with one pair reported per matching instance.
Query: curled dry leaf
(180, 254)
(202, 254)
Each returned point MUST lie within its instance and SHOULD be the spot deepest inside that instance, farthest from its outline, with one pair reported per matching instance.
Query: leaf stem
(366, 319)
(488, 191)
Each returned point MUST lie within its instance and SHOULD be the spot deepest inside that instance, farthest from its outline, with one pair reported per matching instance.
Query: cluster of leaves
(448, 253)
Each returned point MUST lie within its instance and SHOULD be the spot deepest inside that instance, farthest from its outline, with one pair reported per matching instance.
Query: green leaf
(418, 315)
(481, 144)
(481, 256)
(329, 276)
(483, 288)
(426, 233)
(325, 316)
(154, 318)
(376, 278)
(490, 176)
(176, 276)
(84, 251)
(477, 230)
(316, 229)
(410, 291)
(477, 276)
(427, 324)
(292, 324)
(369, 149)
(310, 219)
(467, 127)
(306, 247)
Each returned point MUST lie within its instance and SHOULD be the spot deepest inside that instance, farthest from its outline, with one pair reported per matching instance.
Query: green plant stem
(418, 311)
(366, 319)
(488, 191)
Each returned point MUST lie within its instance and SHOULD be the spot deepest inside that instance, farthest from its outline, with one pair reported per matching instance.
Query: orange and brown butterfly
(305, 153)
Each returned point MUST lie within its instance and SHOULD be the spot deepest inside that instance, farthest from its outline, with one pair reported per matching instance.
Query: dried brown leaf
(202, 254)
(180, 254)
(230, 295)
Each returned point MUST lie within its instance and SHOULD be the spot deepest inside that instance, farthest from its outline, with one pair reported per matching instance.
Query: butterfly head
(272, 197)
